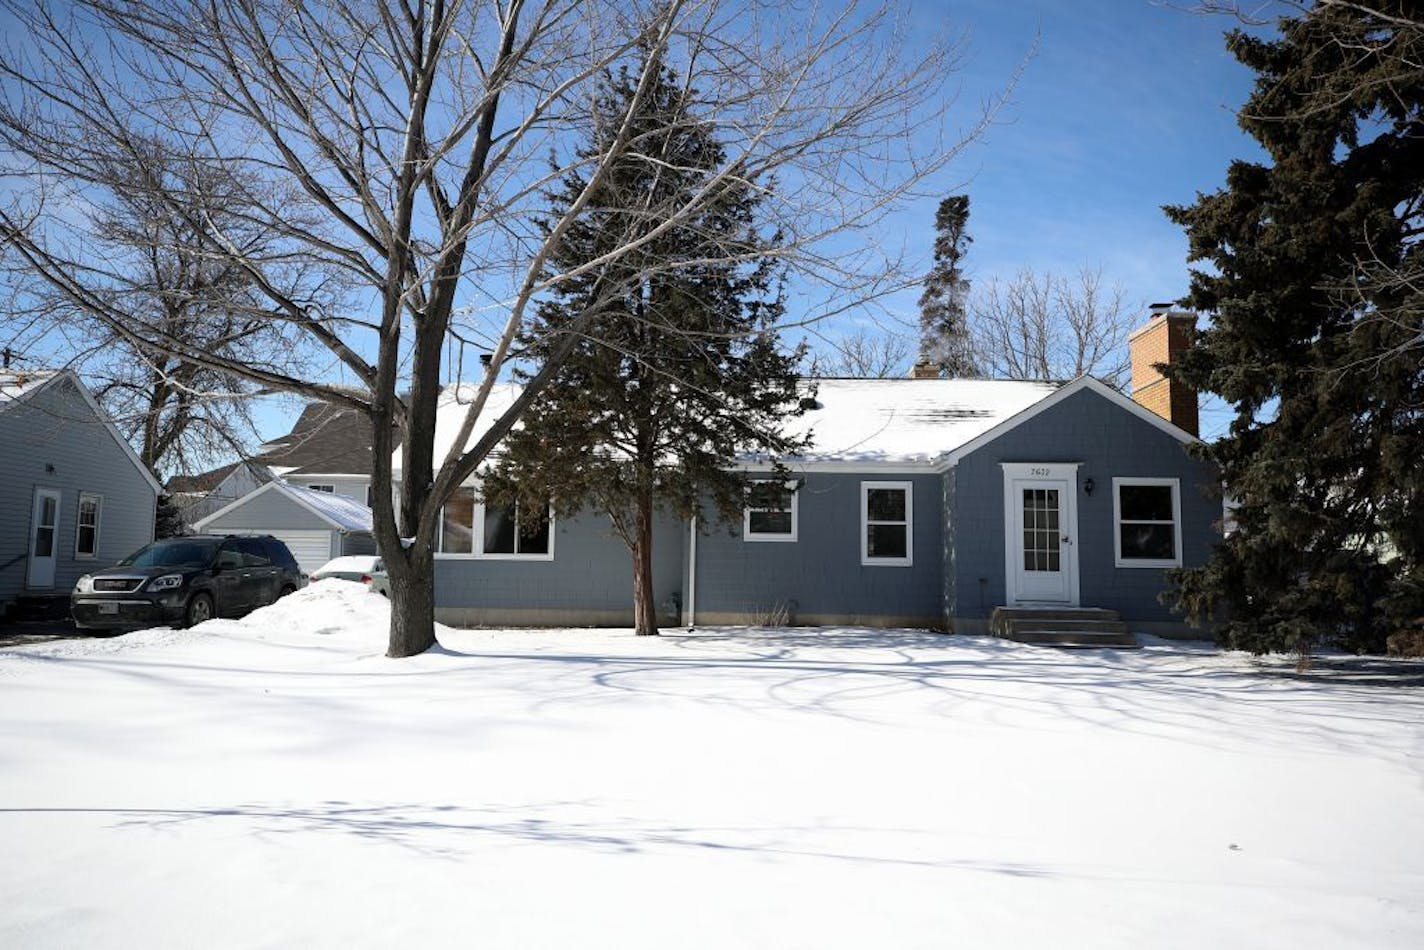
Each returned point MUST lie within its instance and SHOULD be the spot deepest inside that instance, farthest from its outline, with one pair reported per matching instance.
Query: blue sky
(1124, 105)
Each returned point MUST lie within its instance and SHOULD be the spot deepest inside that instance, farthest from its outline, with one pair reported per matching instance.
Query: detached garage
(315, 525)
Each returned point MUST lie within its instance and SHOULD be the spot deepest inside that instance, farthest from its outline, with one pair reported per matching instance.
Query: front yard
(278, 782)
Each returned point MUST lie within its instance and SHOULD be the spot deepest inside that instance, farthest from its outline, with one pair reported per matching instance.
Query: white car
(352, 567)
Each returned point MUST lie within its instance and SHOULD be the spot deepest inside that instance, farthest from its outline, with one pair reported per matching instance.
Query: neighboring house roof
(325, 439)
(19, 386)
(342, 513)
(201, 483)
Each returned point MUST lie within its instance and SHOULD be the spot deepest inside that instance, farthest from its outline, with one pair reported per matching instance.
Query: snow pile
(276, 781)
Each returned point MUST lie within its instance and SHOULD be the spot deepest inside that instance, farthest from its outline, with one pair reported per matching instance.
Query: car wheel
(200, 609)
(285, 591)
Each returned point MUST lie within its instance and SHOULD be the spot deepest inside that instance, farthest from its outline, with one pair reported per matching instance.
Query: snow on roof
(876, 421)
(346, 513)
(454, 402)
(17, 384)
(907, 420)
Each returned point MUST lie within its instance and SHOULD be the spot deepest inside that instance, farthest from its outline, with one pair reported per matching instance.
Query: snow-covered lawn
(276, 782)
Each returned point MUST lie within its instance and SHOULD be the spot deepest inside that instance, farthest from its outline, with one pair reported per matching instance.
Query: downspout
(692, 575)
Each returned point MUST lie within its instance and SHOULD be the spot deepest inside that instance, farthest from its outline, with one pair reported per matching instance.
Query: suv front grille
(117, 585)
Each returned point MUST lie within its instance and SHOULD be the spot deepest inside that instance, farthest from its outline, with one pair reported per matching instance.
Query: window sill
(443, 556)
(887, 562)
(769, 537)
(1134, 563)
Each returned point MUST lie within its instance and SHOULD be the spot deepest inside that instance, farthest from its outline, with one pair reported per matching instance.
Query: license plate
(109, 608)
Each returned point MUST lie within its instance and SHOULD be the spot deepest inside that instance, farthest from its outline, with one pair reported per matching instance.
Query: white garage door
(312, 549)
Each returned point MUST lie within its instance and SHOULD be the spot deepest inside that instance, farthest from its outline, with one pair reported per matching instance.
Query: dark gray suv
(185, 581)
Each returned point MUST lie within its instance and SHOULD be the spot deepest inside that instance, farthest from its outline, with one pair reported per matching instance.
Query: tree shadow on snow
(453, 831)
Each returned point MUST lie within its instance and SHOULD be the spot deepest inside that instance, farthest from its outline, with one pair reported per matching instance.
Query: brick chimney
(924, 369)
(1165, 337)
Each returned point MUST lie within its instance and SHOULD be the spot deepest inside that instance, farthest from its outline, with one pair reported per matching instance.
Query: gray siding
(1108, 442)
(588, 583)
(820, 573)
(57, 428)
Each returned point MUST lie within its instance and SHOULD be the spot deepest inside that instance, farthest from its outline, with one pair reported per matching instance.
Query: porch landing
(1062, 626)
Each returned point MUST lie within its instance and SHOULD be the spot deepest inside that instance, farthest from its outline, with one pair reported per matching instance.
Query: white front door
(1041, 521)
(44, 538)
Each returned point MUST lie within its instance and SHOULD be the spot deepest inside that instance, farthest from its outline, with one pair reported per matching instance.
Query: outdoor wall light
(1087, 486)
(49, 468)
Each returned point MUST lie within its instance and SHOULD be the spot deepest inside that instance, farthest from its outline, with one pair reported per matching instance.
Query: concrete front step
(1061, 626)
(1085, 626)
(1072, 638)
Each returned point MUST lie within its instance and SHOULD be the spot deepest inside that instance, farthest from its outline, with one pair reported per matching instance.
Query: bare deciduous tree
(407, 145)
(1052, 327)
(867, 354)
(182, 416)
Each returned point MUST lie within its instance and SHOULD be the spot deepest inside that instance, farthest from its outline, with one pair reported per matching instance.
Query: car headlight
(166, 582)
(85, 585)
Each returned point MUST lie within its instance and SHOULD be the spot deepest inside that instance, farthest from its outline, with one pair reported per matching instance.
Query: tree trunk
(412, 575)
(645, 608)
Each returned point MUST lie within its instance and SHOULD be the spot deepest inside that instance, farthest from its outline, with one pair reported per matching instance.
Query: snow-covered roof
(342, 513)
(907, 421)
(872, 422)
(348, 514)
(454, 402)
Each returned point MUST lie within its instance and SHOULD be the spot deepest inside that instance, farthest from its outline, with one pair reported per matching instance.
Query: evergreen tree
(1316, 336)
(678, 374)
(944, 330)
(168, 519)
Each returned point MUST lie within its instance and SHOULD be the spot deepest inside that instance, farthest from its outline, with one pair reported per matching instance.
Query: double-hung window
(1148, 517)
(887, 524)
(86, 532)
(770, 514)
(329, 489)
(470, 527)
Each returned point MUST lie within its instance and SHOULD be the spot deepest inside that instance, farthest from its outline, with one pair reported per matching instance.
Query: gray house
(73, 494)
(316, 525)
(923, 502)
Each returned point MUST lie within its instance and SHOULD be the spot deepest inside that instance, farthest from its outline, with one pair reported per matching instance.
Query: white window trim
(1176, 485)
(749, 535)
(98, 520)
(478, 540)
(909, 559)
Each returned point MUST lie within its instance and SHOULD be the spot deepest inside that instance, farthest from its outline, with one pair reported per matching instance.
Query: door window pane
(1041, 539)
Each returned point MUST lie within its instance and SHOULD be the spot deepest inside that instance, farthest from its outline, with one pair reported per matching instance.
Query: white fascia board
(847, 466)
(951, 458)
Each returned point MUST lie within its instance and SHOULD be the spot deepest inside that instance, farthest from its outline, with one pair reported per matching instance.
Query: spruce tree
(1315, 294)
(944, 330)
(678, 374)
